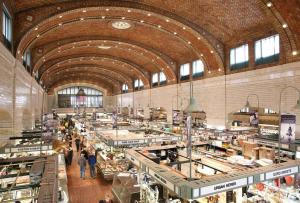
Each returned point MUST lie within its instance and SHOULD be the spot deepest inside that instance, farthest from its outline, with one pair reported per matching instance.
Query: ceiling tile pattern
(163, 35)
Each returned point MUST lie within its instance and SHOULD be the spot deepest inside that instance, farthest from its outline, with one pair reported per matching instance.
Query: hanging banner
(287, 128)
(254, 119)
(176, 117)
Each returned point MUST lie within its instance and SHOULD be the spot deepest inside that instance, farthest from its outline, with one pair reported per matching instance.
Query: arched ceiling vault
(106, 82)
(146, 60)
(114, 63)
(163, 34)
(88, 67)
(107, 90)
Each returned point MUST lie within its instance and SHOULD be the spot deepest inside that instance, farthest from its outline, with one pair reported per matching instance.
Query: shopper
(85, 153)
(92, 163)
(82, 164)
(82, 143)
(70, 156)
(77, 143)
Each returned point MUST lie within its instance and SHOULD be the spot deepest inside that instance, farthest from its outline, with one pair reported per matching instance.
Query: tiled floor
(88, 190)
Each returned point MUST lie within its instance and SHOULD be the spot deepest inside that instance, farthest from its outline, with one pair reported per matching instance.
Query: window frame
(93, 98)
(186, 76)
(155, 84)
(267, 59)
(164, 81)
(197, 74)
(239, 65)
(124, 88)
(7, 27)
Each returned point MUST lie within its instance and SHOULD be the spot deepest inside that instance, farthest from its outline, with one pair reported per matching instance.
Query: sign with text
(129, 142)
(213, 189)
(161, 180)
(280, 173)
(287, 128)
(176, 117)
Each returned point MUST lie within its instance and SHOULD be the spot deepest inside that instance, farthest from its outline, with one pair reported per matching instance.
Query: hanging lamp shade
(80, 93)
(193, 106)
(297, 106)
(247, 104)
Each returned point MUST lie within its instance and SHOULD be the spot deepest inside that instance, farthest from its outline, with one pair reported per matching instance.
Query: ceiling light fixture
(167, 20)
(212, 51)
(198, 38)
(159, 26)
(84, 11)
(123, 18)
(149, 14)
(201, 55)
(219, 69)
(128, 11)
(189, 42)
(104, 47)
(284, 25)
(269, 4)
(141, 21)
(60, 16)
(175, 33)
(209, 72)
(36, 28)
(38, 36)
(60, 24)
(294, 53)
(107, 9)
(103, 17)
(81, 19)
(184, 28)
(121, 25)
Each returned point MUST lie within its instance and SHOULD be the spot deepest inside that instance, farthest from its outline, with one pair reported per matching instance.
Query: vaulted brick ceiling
(74, 40)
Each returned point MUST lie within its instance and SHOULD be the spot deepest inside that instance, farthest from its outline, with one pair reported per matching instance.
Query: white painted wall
(20, 96)
(221, 95)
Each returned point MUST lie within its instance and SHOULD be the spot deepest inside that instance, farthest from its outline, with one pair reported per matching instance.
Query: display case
(110, 161)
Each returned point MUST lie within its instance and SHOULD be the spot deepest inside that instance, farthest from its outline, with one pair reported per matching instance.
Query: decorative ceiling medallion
(121, 25)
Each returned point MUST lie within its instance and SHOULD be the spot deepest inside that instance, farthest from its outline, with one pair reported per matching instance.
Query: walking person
(82, 164)
(77, 143)
(70, 156)
(92, 163)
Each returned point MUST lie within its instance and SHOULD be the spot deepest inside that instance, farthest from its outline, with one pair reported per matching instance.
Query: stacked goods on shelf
(50, 126)
(36, 171)
(248, 149)
(264, 153)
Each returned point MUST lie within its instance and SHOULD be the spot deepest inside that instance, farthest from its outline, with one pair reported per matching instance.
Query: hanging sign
(176, 117)
(212, 189)
(280, 173)
(254, 119)
(287, 128)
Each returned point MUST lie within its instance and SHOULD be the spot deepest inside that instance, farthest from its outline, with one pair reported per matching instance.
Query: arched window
(124, 88)
(138, 84)
(162, 78)
(198, 68)
(68, 97)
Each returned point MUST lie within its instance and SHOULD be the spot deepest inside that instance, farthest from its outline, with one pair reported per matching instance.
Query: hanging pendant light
(80, 93)
(193, 106)
(247, 105)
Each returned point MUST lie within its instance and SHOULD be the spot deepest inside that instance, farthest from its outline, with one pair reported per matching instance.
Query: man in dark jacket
(77, 143)
(92, 162)
(70, 156)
